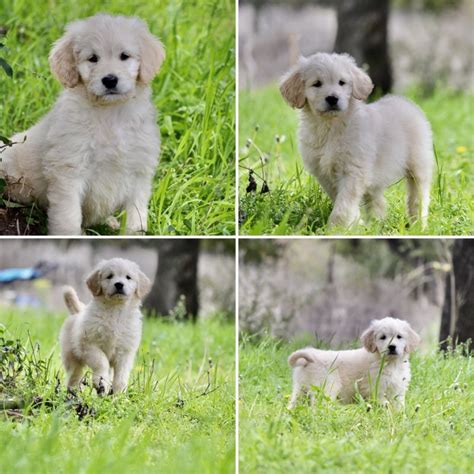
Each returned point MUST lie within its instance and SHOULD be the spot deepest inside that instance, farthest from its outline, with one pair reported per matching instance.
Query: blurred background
(192, 278)
(401, 42)
(331, 289)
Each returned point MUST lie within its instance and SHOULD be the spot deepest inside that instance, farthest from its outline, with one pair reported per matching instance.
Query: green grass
(194, 186)
(434, 434)
(178, 415)
(297, 205)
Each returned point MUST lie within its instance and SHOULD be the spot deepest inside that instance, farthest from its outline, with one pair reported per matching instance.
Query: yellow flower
(461, 149)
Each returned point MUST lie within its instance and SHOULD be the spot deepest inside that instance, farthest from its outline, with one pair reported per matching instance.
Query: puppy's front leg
(98, 362)
(64, 209)
(122, 368)
(346, 205)
(137, 213)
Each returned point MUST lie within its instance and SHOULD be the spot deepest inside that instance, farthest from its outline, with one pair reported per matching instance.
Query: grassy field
(434, 434)
(194, 186)
(297, 205)
(178, 415)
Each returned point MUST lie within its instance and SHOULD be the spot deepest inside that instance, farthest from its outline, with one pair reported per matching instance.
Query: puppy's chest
(327, 151)
(110, 334)
(114, 150)
(326, 155)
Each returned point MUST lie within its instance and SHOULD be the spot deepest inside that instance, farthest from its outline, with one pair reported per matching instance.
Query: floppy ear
(368, 339)
(413, 340)
(143, 286)
(152, 56)
(93, 283)
(292, 88)
(63, 62)
(362, 84)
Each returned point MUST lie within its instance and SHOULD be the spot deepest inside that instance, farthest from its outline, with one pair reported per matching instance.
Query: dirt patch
(21, 221)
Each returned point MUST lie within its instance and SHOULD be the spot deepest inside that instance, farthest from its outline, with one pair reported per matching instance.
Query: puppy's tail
(300, 358)
(74, 305)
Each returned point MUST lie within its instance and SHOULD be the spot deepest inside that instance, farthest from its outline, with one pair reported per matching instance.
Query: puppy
(357, 150)
(380, 369)
(97, 150)
(105, 334)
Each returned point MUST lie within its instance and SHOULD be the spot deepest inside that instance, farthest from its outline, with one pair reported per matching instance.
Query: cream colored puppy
(357, 150)
(381, 368)
(97, 150)
(105, 334)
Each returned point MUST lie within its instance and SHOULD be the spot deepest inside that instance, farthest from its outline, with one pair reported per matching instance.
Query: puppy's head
(108, 55)
(326, 83)
(118, 280)
(390, 337)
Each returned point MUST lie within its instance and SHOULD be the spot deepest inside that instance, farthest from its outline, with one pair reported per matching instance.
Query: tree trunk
(458, 315)
(176, 278)
(362, 32)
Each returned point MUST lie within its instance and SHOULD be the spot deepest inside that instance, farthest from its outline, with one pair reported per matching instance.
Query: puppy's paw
(119, 387)
(113, 223)
(102, 387)
(135, 231)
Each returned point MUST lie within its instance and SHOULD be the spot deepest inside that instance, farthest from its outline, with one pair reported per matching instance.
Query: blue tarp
(9, 275)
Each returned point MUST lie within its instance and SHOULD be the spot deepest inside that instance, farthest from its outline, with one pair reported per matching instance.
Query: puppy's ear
(368, 339)
(413, 340)
(143, 285)
(362, 84)
(93, 283)
(152, 56)
(292, 88)
(63, 62)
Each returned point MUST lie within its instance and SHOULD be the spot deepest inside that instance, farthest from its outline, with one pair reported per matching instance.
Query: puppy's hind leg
(419, 175)
(294, 395)
(418, 199)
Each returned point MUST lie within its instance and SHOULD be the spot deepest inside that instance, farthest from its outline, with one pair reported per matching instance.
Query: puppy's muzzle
(392, 350)
(119, 288)
(332, 102)
(110, 82)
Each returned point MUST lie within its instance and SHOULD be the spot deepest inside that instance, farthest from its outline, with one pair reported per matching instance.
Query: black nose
(118, 285)
(110, 81)
(392, 348)
(332, 100)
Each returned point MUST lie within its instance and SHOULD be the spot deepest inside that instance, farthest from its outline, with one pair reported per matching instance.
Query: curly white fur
(380, 369)
(96, 151)
(357, 150)
(105, 334)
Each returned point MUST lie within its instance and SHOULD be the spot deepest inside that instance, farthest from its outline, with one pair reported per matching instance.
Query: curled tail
(74, 305)
(300, 358)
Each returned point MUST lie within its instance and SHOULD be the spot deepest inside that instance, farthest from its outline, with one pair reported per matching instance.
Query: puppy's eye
(317, 84)
(93, 59)
(124, 57)
(383, 336)
(342, 83)
(398, 336)
(110, 276)
(128, 277)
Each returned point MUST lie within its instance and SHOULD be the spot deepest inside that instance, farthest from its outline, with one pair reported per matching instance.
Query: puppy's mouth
(119, 294)
(332, 109)
(112, 95)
